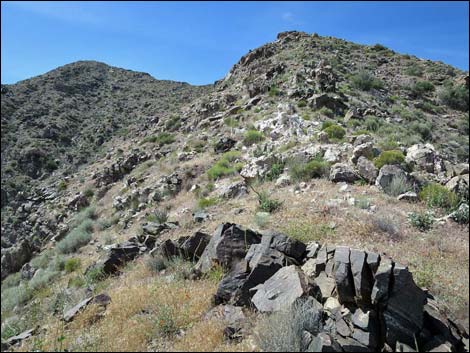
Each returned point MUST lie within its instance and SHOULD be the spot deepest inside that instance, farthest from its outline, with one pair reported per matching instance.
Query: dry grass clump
(143, 308)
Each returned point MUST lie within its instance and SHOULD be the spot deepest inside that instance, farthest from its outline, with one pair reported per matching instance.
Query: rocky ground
(263, 215)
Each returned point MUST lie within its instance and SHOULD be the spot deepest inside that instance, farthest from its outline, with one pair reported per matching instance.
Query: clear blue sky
(198, 42)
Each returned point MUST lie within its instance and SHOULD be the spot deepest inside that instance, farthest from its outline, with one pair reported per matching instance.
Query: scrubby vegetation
(365, 81)
(225, 166)
(436, 195)
(301, 171)
(252, 136)
(393, 157)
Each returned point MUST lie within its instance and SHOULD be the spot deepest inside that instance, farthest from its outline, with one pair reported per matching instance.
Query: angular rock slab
(362, 276)
(228, 245)
(343, 275)
(281, 290)
(404, 312)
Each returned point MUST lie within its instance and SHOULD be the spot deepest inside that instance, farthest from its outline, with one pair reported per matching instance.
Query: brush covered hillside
(314, 199)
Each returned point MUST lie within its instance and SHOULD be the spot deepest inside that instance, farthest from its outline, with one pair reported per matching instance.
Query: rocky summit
(313, 199)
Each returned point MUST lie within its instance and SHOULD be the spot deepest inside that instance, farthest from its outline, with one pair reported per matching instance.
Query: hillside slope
(320, 139)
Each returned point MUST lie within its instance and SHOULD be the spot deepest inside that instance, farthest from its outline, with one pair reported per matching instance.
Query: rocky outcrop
(343, 172)
(387, 175)
(15, 257)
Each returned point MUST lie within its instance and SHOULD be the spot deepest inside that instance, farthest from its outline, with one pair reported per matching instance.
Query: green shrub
(461, 215)
(275, 171)
(326, 124)
(42, 278)
(301, 171)
(42, 260)
(422, 129)
(94, 275)
(156, 263)
(283, 331)
(88, 193)
(456, 97)
(62, 185)
(88, 213)
(324, 111)
(76, 238)
(420, 88)
(436, 195)
(266, 204)
(225, 166)
(423, 221)
(389, 157)
(398, 186)
(158, 216)
(414, 70)
(365, 81)
(163, 138)
(13, 296)
(335, 132)
(203, 203)
(274, 91)
(372, 123)
(261, 219)
(72, 265)
(252, 136)
(12, 280)
(302, 103)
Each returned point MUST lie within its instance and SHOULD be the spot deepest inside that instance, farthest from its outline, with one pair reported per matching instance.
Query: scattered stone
(225, 144)
(387, 174)
(409, 196)
(366, 169)
(281, 290)
(342, 172)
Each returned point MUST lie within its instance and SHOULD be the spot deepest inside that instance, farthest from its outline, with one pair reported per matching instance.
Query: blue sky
(198, 42)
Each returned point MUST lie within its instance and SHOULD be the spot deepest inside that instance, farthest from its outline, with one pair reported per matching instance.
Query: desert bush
(42, 260)
(414, 70)
(225, 166)
(422, 129)
(275, 171)
(302, 103)
(326, 124)
(436, 195)
(335, 132)
(461, 215)
(42, 278)
(87, 213)
(395, 157)
(261, 219)
(385, 223)
(456, 97)
(159, 216)
(204, 202)
(365, 81)
(72, 265)
(325, 111)
(156, 263)
(12, 280)
(13, 296)
(62, 185)
(283, 331)
(300, 171)
(94, 275)
(274, 91)
(252, 136)
(76, 238)
(267, 204)
(399, 185)
(88, 193)
(421, 220)
(420, 88)
(163, 138)
(362, 203)
(372, 123)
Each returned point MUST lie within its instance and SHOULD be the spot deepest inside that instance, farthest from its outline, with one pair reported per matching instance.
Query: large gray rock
(362, 276)
(343, 172)
(261, 262)
(366, 169)
(343, 275)
(364, 150)
(70, 314)
(422, 157)
(381, 286)
(282, 290)
(228, 245)
(404, 312)
(389, 173)
(15, 257)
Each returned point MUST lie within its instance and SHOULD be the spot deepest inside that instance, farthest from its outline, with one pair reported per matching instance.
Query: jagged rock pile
(362, 301)
(120, 168)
